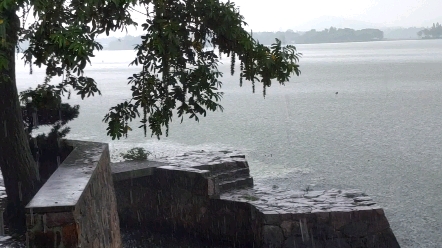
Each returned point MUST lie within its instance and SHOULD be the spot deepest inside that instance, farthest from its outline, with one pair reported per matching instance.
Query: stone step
(223, 167)
(236, 173)
(237, 183)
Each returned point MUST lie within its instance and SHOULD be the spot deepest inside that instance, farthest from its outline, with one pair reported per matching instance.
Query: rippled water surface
(361, 115)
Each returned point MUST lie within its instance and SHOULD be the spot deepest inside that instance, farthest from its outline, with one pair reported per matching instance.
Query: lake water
(381, 133)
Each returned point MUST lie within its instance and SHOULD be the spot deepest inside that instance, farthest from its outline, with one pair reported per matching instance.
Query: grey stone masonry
(212, 196)
(325, 218)
(228, 169)
(76, 207)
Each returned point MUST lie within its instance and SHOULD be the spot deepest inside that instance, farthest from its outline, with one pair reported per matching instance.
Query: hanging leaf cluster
(179, 57)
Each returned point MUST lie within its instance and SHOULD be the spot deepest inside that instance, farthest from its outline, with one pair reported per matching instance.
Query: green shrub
(136, 153)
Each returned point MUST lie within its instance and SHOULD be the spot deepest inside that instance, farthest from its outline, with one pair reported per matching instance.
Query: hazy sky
(303, 15)
(284, 14)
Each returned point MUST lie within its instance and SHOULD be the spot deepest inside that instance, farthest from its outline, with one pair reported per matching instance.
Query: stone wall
(77, 206)
(182, 199)
(332, 218)
(211, 196)
(166, 195)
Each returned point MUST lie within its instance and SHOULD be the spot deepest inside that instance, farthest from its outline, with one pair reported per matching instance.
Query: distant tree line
(330, 35)
(434, 32)
(288, 37)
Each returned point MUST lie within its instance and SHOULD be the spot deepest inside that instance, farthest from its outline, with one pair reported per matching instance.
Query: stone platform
(326, 218)
(211, 195)
(266, 198)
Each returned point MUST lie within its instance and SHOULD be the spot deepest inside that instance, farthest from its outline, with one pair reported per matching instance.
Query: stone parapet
(77, 206)
(331, 218)
(212, 196)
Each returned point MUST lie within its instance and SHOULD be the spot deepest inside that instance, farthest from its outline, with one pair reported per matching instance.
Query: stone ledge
(64, 188)
(133, 169)
(203, 159)
(266, 198)
(77, 206)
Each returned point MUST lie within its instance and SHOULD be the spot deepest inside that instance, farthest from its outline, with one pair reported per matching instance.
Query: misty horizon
(319, 24)
(336, 23)
(301, 16)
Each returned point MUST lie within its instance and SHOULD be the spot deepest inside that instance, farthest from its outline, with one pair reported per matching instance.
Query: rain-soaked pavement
(135, 239)
(142, 239)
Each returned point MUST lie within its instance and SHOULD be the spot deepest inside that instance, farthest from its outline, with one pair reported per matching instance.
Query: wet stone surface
(204, 159)
(133, 169)
(267, 198)
(66, 185)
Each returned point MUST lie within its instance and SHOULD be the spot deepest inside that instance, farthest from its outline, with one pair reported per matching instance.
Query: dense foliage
(177, 73)
(42, 106)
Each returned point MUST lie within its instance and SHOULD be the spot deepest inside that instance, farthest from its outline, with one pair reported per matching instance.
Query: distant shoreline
(367, 41)
(313, 43)
(126, 47)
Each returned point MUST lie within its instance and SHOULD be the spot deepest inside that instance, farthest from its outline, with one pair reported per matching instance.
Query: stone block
(355, 229)
(70, 235)
(339, 219)
(339, 242)
(77, 204)
(271, 217)
(321, 231)
(378, 225)
(45, 239)
(59, 219)
(299, 242)
(287, 227)
(272, 236)
(291, 243)
(322, 216)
